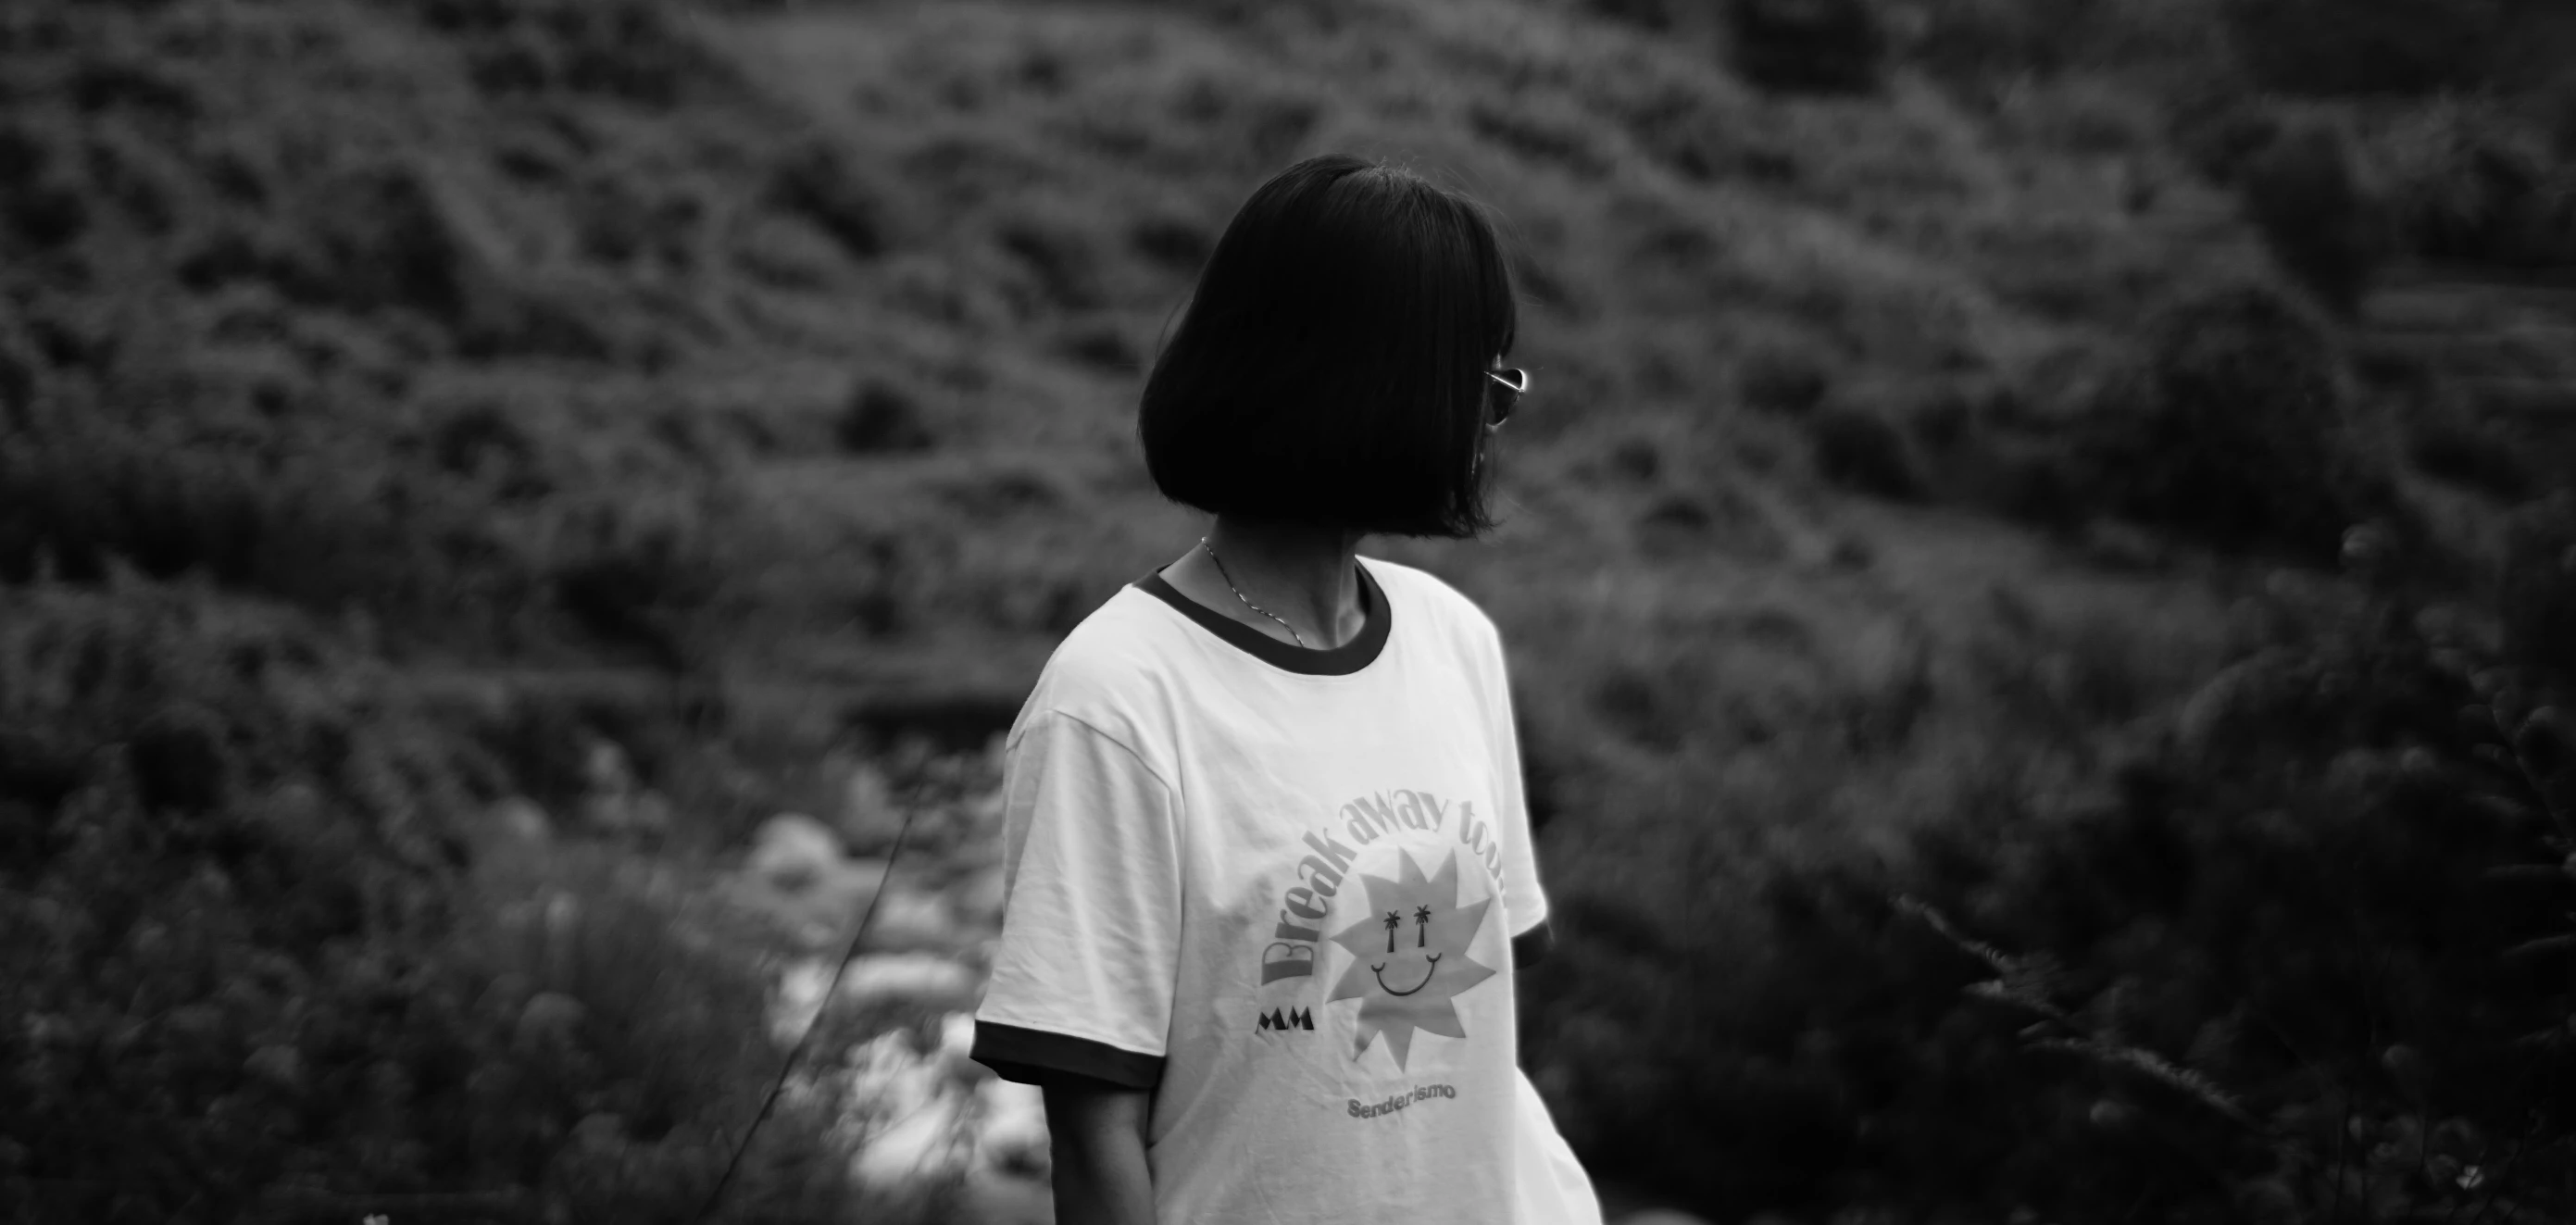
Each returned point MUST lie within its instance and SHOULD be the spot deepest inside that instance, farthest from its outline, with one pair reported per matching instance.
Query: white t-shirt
(1279, 887)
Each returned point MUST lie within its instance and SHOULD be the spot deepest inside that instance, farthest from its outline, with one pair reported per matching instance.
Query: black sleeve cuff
(1530, 947)
(1039, 1057)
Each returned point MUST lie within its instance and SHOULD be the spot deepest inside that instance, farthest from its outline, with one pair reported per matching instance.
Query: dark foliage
(1861, 451)
(1814, 46)
(1656, 15)
(2539, 588)
(1175, 243)
(2233, 429)
(817, 183)
(1780, 380)
(2343, 47)
(881, 417)
(2480, 459)
(2301, 194)
(2283, 928)
(263, 970)
(2478, 182)
(1059, 259)
(629, 50)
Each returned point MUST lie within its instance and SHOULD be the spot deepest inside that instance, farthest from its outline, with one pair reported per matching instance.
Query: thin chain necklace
(1247, 600)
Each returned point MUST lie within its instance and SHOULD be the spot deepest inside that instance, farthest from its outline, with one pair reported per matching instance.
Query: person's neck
(1302, 572)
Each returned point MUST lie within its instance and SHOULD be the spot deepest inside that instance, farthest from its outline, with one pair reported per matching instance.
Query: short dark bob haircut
(1331, 367)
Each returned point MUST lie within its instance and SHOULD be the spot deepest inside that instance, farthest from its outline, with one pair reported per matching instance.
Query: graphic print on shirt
(1409, 956)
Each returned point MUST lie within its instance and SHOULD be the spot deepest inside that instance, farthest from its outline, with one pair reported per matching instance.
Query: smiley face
(1416, 926)
(1421, 943)
(1380, 970)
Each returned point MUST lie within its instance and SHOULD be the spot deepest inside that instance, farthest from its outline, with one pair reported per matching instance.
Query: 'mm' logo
(1298, 1019)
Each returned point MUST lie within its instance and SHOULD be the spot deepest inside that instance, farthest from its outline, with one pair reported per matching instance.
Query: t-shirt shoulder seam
(1419, 579)
(1122, 746)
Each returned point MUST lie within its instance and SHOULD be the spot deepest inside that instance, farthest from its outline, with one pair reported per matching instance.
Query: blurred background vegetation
(2040, 573)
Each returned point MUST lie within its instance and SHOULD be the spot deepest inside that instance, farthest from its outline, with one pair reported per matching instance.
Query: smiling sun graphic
(1410, 956)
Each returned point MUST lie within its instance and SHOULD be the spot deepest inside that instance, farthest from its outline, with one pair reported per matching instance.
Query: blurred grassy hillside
(400, 399)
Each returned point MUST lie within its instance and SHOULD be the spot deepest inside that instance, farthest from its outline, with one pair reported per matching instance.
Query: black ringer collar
(1342, 660)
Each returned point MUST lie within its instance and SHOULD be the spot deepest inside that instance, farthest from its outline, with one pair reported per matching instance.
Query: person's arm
(1096, 1133)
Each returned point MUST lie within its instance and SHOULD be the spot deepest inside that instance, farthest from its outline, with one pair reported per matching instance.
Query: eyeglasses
(1511, 384)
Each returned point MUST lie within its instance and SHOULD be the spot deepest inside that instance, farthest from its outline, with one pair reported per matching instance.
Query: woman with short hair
(1268, 859)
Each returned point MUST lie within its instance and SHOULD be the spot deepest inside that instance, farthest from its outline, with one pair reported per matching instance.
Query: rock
(917, 1121)
(792, 852)
(886, 977)
(869, 821)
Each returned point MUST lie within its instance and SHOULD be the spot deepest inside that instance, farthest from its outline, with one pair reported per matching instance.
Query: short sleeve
(1523, 901)
(1082, 975)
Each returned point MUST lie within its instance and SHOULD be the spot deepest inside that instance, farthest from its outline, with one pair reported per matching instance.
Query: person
(1268, 864)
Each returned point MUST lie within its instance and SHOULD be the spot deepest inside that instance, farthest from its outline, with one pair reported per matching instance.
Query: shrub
(1673, 525)
(2302, 196)
(2478, 458)
(262, 968)
(2363, 46)
(628, 49)
(85, 493)
(816, 182)
(634, 574)
(1812, 46)
(1103, 346)
(1655, 15)
(2222, 967)
(2232, 429)
(1777, 379)
(1691, 129)
(2220, 131)
(2471, 181)
(384, 236)
(1060, 260)
(1861, 451)
(1648, 708)
(880, 417)
(2537, 581)
(1985, 40)
(1176, 243)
